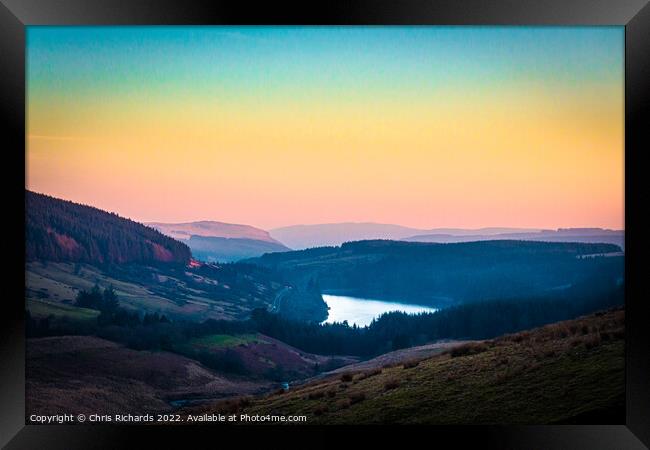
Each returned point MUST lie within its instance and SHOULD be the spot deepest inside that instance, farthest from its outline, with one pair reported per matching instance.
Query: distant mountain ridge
(584, 235)
(211, 228)
(306, 236)
(321, 235)
(214, 241)
(61, 230)
(219, 249)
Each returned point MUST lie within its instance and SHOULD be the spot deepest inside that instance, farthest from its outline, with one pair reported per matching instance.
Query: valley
(568, 372)
(123, 318)
(359, 224)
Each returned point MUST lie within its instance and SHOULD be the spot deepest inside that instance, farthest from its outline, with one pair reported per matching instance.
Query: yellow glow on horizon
(513, 156)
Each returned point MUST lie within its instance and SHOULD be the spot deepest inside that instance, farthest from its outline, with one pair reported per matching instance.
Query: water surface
(361, 311)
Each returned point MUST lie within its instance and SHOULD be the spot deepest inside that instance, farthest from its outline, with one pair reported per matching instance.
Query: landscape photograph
(328, 225)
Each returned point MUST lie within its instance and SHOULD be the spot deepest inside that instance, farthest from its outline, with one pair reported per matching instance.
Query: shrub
(549, 353)
(357, 397)
(411, 364)
(228, 407)
(592, 341)
(228, 361)
(517, 337)
(347, 377)
(331, 393)
(470, 348)
(502, 377)
(389, 365)
(316, 395)
(245, 401)
(343, 404)
(320, 410)
(391, 384)
(370, 373)
(575, 342)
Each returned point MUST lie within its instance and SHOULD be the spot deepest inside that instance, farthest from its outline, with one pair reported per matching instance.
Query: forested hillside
(60, 230)
(442, 274)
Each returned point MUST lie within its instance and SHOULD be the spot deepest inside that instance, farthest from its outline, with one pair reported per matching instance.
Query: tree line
(440, 274)
(391, 331)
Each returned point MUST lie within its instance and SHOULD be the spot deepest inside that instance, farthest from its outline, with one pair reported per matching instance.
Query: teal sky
(269, 61)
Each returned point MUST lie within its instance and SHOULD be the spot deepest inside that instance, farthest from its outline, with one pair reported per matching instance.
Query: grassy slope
(87, 374)
(259, 354)
(76, 374)
(224, 340)
(44, 308)
(59, 283)
(552, 374)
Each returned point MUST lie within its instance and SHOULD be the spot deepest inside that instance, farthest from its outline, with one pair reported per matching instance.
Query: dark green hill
(440, 274)
(568, 372)
(63, 231)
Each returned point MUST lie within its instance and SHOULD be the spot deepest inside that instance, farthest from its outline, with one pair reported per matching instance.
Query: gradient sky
(271, 126)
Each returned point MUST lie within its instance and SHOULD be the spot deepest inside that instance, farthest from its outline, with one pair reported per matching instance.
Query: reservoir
(361, 311)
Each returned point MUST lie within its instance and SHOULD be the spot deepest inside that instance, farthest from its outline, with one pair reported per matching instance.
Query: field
(186, 295)
(264, 357)
(43, 308)
(562, 373)
(82, 374)
(224, 340)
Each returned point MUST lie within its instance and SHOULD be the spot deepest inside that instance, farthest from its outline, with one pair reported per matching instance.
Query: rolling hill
(86, 374)
(585, 235)
(117, 379)
(71, 247)
(211, 228)
(306, 236)
(568, 372)
(442, 274)
(301, 237)
(221, 242)
(219, 249)
(60, 230)
(195, 292)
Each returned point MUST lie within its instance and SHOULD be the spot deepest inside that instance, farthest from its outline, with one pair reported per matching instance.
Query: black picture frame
(15, 15)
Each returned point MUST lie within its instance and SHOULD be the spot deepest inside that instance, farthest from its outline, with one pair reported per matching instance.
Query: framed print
(377, 216)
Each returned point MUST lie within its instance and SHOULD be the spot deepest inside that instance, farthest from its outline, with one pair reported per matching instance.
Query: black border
(16, 14)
